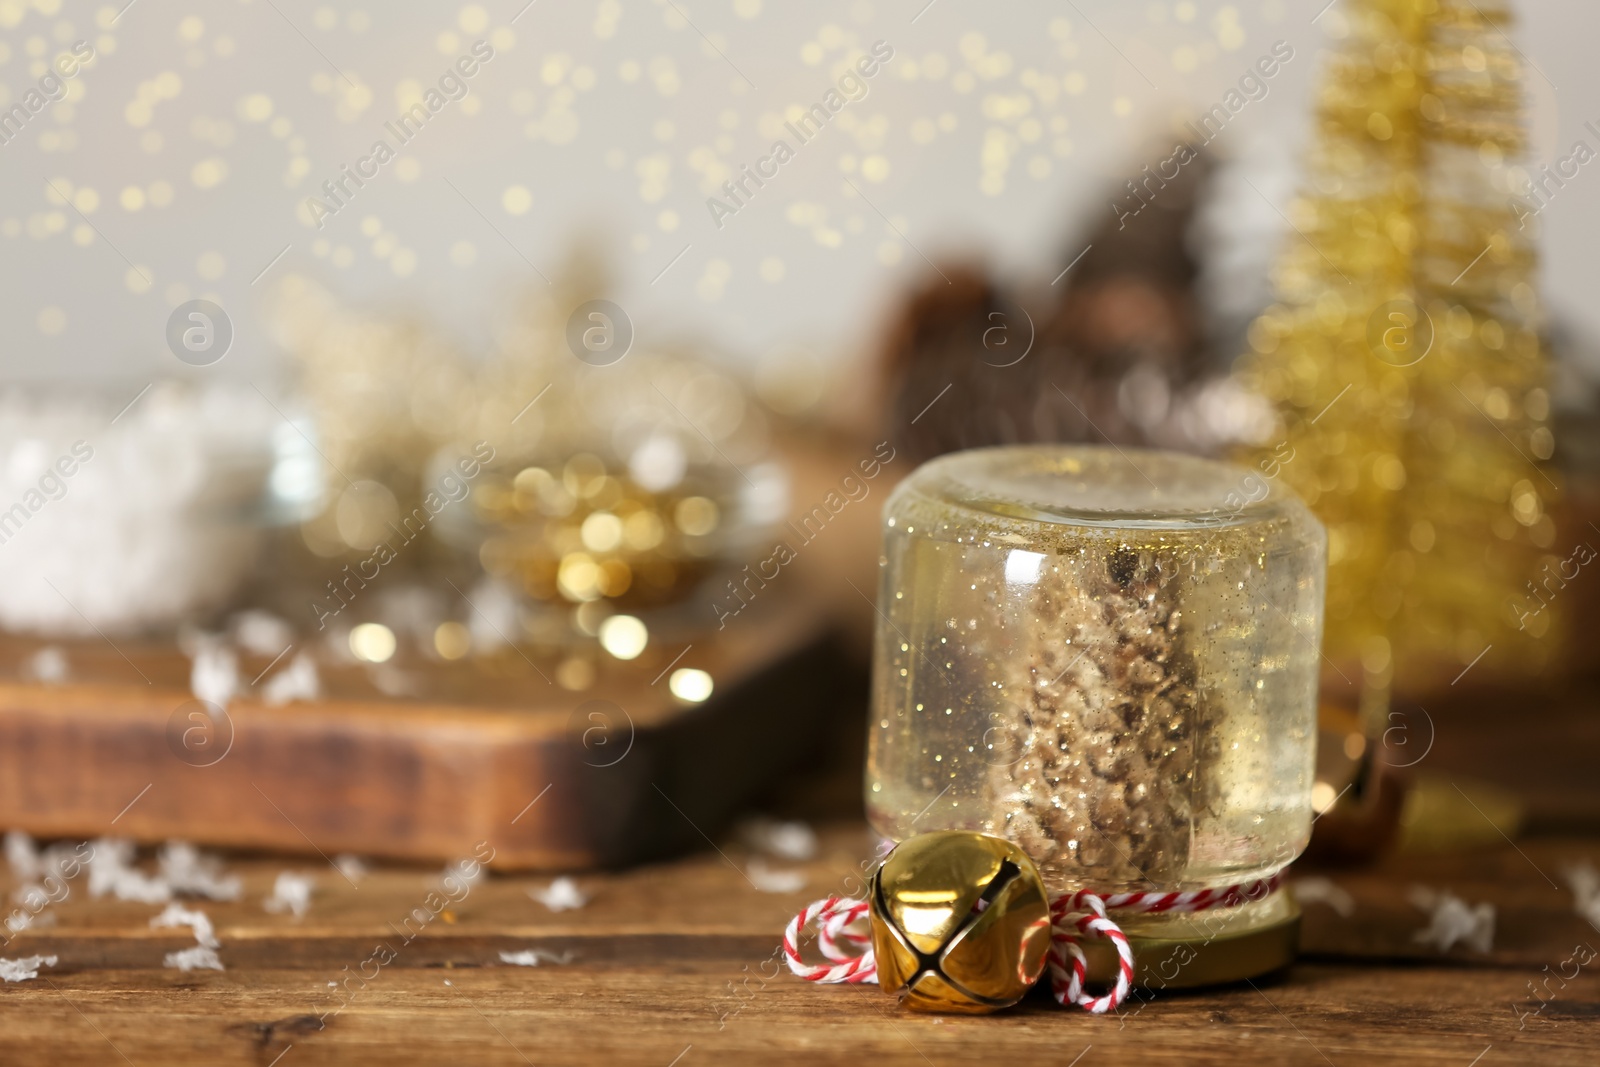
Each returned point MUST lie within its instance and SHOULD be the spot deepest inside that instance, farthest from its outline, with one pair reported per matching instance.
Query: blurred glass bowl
(581, 538)
(121, 519)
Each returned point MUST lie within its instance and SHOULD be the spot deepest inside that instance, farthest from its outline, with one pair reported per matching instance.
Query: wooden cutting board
(620, 772)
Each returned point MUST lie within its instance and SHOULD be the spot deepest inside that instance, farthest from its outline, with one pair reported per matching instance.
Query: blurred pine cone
(970, 363)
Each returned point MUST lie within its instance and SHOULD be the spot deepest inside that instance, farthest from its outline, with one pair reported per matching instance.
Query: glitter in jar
(1126, 668)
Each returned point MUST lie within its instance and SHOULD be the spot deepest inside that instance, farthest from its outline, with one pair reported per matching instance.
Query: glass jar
(1107, 656)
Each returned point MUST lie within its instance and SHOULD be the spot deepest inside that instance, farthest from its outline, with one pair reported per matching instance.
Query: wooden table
(676, 964)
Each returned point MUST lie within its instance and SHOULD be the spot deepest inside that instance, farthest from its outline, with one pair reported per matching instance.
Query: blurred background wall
(179, 162)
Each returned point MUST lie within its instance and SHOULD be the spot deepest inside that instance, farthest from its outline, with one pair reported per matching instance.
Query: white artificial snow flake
(1585, 881)
(495, 614)
(25, 968)
(261, 632)
(214, 675)
(111, 871)
(459, 873)
(1318, 890)
(532, 957)
(1453, 920)
(351, 866)
(202, 955)
(49, 665)
(198, 921)
(290, 892)
(196, 957)
(33, 871)
(792, 840)
(29, 863)
(562, 894)
(771, 880)
(298, 681)
(22, 856)
(190, 872)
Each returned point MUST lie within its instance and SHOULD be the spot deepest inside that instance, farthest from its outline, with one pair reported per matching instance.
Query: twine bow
(1074, 918)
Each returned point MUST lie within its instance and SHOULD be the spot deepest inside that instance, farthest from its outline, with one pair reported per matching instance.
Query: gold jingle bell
(960, 922)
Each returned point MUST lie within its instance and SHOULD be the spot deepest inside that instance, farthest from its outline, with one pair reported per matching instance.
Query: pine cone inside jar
(1108, 730)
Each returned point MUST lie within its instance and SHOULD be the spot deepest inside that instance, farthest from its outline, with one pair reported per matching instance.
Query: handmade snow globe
(1109, 657)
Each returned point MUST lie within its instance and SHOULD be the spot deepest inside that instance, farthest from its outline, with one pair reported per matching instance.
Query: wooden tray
(619, 773)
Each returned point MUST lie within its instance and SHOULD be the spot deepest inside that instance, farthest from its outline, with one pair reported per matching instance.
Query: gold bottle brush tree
(1403, 355)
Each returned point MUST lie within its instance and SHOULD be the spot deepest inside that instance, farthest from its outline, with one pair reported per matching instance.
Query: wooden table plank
(584, 1013)
(709, 893)
(683, 954)
(709, 897)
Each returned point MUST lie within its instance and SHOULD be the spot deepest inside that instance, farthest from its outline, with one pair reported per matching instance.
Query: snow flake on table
(21, 970)
(1319, 890)
(200, 956)
(111, 872)
(190, 872)
(1453, 921)
(532, 957)
(290, 893)
(562, 894)
(772, 880)
(786, 840)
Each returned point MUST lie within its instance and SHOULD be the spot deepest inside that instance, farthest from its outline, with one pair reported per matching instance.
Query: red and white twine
(832, 915)
(1074, 917)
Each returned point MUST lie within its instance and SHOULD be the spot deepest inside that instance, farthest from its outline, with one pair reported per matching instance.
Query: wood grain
(653, 1015)
(427, 779)
(681, 954)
